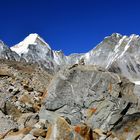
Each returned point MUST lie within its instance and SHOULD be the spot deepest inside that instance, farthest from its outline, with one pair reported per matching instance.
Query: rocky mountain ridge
(91, 96)
(116, 53)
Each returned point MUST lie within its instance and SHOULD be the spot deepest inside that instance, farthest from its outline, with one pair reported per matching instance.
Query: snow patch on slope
(127, 45)
(116, 50)
(119, 44)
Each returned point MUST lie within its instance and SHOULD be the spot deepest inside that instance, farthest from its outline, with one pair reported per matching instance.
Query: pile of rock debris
(77, 103)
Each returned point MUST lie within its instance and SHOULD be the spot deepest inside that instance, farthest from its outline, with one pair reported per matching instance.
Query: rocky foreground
(80, 102)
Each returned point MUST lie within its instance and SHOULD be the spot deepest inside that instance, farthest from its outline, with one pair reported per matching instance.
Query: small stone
(29, 137)
(38, 132)
(39, 125)
(84, 131)
(28, 119)
(40, 138)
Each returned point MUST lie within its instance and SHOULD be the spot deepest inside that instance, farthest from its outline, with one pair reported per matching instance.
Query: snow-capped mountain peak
(34, 49)
(116, 53)
(116, 35)
(31, 39)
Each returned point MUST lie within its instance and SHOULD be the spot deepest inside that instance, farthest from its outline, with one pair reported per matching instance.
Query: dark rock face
(125, 127)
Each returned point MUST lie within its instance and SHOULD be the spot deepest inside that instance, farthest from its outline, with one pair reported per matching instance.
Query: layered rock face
(45, 95)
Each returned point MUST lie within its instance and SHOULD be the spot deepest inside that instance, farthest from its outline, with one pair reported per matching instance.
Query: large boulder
(91, 95)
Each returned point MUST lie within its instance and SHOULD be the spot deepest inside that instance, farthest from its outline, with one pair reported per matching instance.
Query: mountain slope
(117, 53)
(72, 98)
(34, 49)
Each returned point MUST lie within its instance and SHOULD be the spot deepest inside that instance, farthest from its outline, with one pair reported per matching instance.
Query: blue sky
(74, 26)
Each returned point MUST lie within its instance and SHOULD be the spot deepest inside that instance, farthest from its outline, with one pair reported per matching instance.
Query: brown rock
(38, 132)
(12, 110)
(17, 135)
(84, 131)
(60, 130)
(25, 99)
(28, 120)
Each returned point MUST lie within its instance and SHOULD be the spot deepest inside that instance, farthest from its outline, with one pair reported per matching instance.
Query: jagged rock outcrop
(6, 53)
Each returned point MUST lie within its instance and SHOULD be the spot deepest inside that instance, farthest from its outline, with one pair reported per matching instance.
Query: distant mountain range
(117, 53)
(46, 95)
